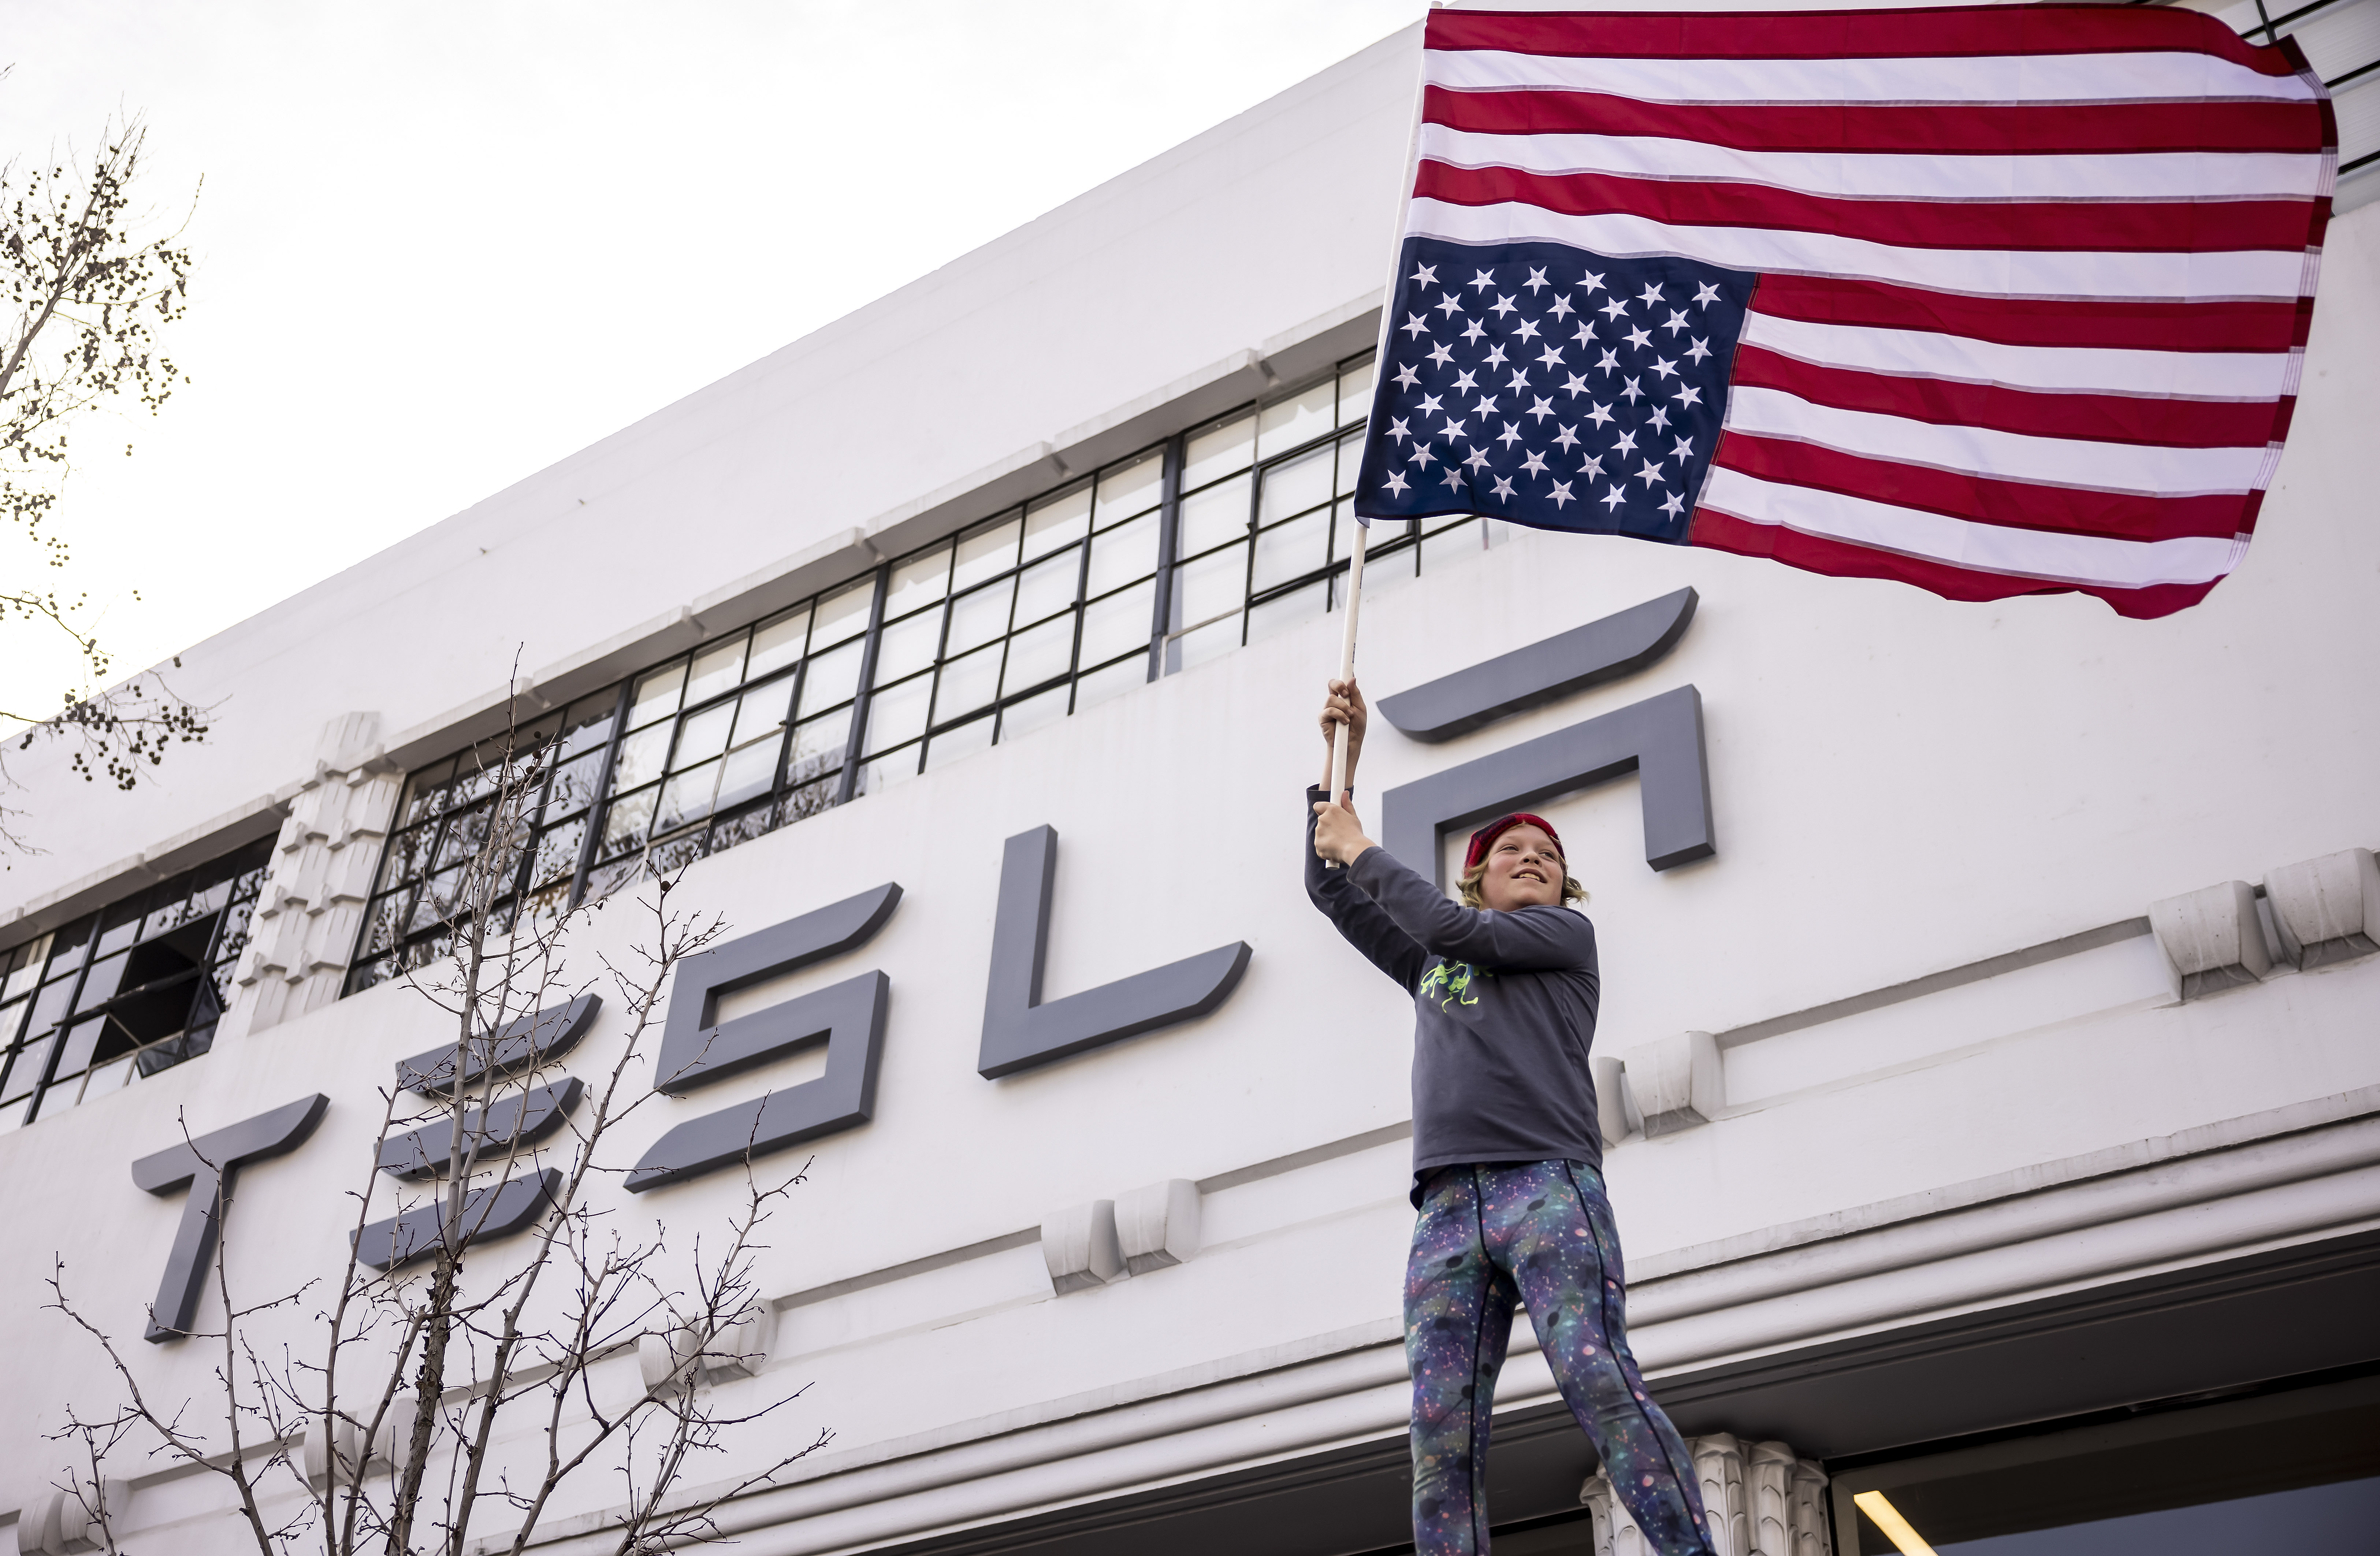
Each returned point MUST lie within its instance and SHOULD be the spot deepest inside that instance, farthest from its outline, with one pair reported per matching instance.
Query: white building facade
(1991, 1064)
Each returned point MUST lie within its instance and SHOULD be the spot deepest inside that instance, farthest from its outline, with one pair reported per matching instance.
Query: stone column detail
(1761, 1499)
(320, 878)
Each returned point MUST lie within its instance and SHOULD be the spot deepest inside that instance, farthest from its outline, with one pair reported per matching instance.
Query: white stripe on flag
(2133, 175)
(2095, 467)
(2032, 554)
(1978, 272)
(2228, 375)
(1979, 78)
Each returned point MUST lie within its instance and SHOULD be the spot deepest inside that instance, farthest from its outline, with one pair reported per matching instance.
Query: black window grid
(1037, 613)
(125, 992)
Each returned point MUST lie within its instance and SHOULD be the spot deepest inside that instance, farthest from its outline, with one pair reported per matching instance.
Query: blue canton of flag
(1545, 385)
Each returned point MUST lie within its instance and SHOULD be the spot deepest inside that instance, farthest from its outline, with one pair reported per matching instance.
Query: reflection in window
(1194, 546)
(125, 992)
(2297, 1471)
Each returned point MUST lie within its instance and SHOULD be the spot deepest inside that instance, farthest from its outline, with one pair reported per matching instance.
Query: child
(1506, 1160)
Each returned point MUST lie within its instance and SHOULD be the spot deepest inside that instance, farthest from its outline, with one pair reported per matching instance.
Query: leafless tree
(401, 1407)
(88, 287)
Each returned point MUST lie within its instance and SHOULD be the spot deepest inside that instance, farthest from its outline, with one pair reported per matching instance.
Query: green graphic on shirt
(1449, 984)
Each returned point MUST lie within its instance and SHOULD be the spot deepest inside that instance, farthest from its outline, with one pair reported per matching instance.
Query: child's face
(1523, 871)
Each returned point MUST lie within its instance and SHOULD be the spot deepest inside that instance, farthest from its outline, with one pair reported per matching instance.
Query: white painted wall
(1902, 785)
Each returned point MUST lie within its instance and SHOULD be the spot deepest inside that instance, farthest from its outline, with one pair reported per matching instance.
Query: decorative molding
(1157, 1225)
(1673, 1084)
(311, 912)
(1080, 1246)
(2212, 939)
(2327, 910)
(1760, 1499)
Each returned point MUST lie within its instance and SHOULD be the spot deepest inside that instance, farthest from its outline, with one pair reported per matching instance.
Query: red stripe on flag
(1816, 553)
(2129, 418)
(2067, 510)
(1990, 128)
(2145, 326)
(2102, 227)
(1985, 32)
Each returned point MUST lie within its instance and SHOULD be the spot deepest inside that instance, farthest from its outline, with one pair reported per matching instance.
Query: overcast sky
(441, 246)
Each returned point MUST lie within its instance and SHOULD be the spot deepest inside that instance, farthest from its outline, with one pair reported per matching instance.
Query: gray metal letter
(1659, 740)
(697, 1050)
(525, 1041)
(516, 1203)
(493, 1131)
(1020, 1032)
(207, 1166)
(1569, 662)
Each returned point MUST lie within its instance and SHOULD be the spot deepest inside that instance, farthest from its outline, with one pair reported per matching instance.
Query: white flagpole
(1379, 364)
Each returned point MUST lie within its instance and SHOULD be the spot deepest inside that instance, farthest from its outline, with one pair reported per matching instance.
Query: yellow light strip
(1888, 1518)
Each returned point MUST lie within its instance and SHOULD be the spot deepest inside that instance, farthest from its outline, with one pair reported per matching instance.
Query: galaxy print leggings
(1540, 1233)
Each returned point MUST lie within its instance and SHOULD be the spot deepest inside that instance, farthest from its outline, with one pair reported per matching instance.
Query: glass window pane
(1351, 462)
(588, 728)
(1197, 647)
(686, 797)
(1355, 392)
(557, 852)
(898, 713)
(625, 823)
(978, 617)
(1057, 520)
(1213, 517)
(1295, 486)
(50, 1005)
(1038, 654)
(1287, 551)
(952, 744)
(1118, 623)
(843, 614)
(716, 669)
(967, 684)
(1209, 586)
(763, 709)
(1123, 554)
(1298, 605)
(986, 554)
(1023, 718)
(641, 756)
(759, 822)
(28, 971)
(818, 747)
(777, 642)
(703, 735)
(1218, 451)
(100, 983)
(70, 945)
(1304, 416)
(1116, 679)
(423, 795)
(906, 647)
(921, 580)
(119, 926)
(807, 800)
(656, 694)
(832, 677)
(1048, 586)
(750, 771)
(882, 772)
(573, 787)
(674, 854)
(1134, 486)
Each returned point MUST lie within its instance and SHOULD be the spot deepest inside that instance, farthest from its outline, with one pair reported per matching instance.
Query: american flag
(1991, 300)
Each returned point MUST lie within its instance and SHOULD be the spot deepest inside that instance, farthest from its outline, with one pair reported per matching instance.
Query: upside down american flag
(1991, 300)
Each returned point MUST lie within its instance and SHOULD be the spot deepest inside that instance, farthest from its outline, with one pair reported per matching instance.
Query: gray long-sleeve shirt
(1504, 1011)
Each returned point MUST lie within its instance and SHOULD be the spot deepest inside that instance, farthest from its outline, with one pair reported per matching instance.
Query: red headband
(1484, 838)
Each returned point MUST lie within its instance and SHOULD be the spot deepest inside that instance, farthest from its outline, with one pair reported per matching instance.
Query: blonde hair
(1469, 885)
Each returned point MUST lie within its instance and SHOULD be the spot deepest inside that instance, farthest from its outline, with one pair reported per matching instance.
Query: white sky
(443, 245)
